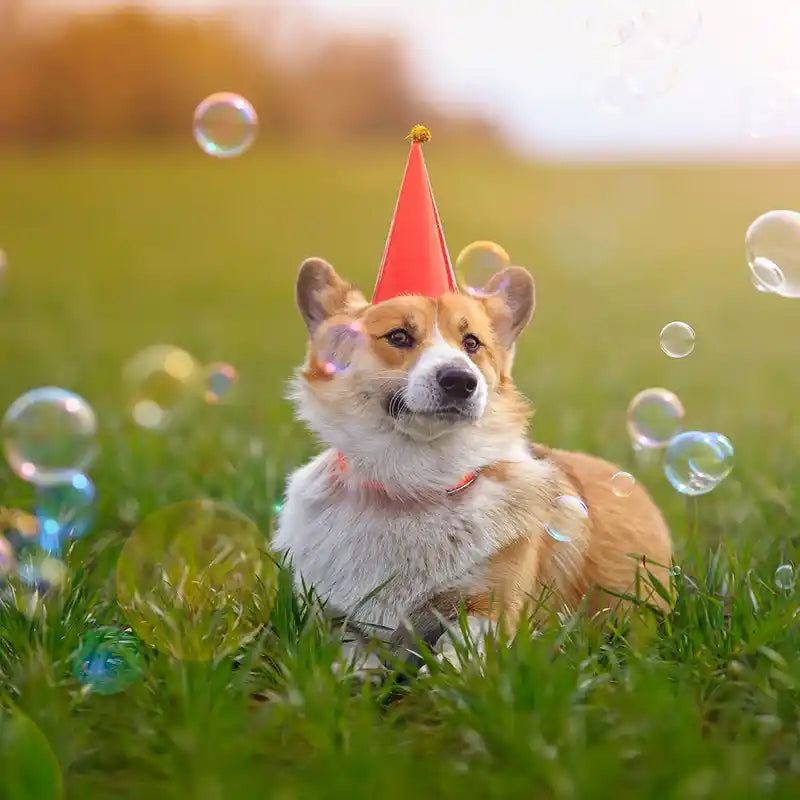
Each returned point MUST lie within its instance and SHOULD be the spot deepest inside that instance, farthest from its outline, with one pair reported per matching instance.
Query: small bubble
(654, 417)
(49, 435)
(65, 511)
(772, 244)
(696, 462)
(677, 339)
(336, 345)
(162, 382)
(107, 660)
(569, 516)
(7, 561)
(623, 484)
(477, 263)
(220, 381)
(784, 577)
(225, 125)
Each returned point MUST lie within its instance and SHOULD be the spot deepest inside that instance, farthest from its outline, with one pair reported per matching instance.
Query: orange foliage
(132, 75)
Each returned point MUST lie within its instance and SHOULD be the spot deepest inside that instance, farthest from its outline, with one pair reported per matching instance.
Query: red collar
(467, 480)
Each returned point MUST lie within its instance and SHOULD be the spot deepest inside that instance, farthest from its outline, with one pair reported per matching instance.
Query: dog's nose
(457, 383)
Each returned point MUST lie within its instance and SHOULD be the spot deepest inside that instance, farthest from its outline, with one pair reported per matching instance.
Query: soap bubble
(784, 577)
(623, 484)
(568, 519)
(620, 23)
(225, 125)
(635, 77)
(49, 435)
(65, 511)
(28, 764)
(767, 107)
(654, 416)
(336, 345)
(677, 339)
(478, 262)
(162, 382)
(194, 580)
(107, 660)
(3, 267)
(220, 380)
(696, 462)
(773, 252)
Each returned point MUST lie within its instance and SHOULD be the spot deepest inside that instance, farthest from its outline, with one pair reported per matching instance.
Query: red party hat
(415, 260)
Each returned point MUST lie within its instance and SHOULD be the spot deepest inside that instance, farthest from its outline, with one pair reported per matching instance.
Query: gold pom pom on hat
(419, 133)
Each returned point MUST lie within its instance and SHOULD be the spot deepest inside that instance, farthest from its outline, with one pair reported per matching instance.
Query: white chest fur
(346, 542)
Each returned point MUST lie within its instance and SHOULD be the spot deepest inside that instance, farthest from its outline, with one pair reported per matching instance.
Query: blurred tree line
(129, 74)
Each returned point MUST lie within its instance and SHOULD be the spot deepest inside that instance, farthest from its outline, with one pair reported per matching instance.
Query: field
(110, 252)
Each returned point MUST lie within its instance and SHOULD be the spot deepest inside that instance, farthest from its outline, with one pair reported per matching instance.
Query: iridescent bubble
(107, 660)
(614, 23)
(195, 581)
(673, 24)
(767, 107)
(49, 435)
(478, 262)
(7, 561)
(3, 267)
(65, 511)
(623, 484)
(336, 345)
(568, 519)
(220, 381)
(677, 339)
(784, 577)
(163, 381)
(773, 252)
(666, 25)
(654, 416)
(696, 462)
(225, 125)
(28, 765)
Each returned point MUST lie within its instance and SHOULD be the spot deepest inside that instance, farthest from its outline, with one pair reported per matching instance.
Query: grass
(111, 252)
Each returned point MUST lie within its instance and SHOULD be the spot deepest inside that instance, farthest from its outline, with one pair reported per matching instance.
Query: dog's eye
(400, 338)
(471, 343)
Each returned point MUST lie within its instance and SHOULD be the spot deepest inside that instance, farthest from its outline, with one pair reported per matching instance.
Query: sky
(555, 76)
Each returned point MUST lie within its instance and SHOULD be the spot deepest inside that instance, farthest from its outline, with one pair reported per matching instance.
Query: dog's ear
(320, 293)
(509, 297)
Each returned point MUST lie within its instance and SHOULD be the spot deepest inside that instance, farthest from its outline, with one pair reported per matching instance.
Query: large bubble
(696, 462)
(655, 415)
(49, 435)
(195, 581)
(772, 243)
(28, 766)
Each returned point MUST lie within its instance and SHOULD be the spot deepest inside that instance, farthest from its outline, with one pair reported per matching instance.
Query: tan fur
(626, 536)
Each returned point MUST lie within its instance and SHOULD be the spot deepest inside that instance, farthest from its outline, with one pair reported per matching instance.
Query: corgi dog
(429, 498)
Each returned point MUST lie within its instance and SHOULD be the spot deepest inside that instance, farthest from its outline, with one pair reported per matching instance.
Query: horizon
(546, 100)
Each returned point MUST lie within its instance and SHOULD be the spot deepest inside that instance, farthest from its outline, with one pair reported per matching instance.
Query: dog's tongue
(415, 260)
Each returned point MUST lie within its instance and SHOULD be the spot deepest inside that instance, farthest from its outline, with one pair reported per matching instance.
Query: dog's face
(416, 366)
